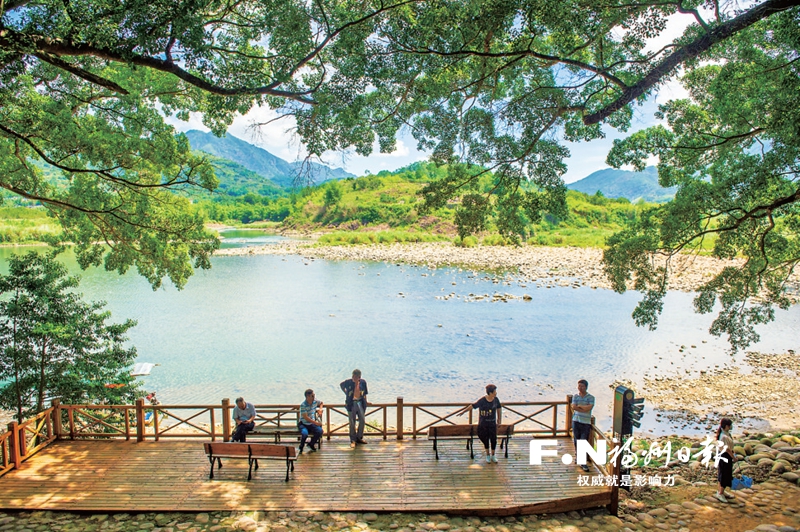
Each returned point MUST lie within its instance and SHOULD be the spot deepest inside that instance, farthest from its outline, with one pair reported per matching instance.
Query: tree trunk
(15, 350)
(42, 377)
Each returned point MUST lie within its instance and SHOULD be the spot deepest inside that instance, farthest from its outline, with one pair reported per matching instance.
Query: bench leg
(507, 438)
(471, 446)
(435, 448)
(211, 472)
(250, 469)
(287, 469)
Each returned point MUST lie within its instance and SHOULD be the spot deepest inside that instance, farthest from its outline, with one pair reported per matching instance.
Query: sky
(586, 157)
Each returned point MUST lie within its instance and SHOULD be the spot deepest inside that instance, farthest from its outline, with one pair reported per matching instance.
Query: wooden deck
(384, 476)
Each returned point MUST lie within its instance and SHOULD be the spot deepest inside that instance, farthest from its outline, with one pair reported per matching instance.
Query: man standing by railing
(582, 405)
(355, 391)
(244, 414)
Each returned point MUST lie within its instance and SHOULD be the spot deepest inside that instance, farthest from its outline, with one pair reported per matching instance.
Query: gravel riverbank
(563, 266)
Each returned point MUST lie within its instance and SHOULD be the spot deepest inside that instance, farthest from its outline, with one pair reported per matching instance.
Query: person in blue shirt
(355, 391)
(310, 421)
(244, 414)
(582, 405)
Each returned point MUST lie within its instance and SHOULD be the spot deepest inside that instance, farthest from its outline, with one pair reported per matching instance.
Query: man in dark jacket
(355, 391)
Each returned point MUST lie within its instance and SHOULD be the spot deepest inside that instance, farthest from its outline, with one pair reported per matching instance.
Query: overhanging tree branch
(688, 52)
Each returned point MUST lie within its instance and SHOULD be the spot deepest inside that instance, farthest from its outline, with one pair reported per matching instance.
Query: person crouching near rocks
(725, 465)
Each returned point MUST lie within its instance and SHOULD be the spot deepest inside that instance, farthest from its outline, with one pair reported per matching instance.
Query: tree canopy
(492, 87)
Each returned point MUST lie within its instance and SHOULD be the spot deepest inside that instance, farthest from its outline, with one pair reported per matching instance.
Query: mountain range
(260, 161)
(243, 167)
(625, 184)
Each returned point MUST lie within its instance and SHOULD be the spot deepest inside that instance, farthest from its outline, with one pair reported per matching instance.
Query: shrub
(466, 242)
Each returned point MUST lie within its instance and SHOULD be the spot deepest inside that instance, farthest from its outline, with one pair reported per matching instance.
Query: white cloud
(195, 122)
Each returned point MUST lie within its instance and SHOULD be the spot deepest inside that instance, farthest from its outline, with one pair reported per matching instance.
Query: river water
(267, 327)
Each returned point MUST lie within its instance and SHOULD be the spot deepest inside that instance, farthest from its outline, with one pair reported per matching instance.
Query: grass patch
(25, 225)
(340, 238)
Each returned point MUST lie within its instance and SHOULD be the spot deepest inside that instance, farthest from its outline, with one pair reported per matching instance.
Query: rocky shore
(762, 389)
(545, 266)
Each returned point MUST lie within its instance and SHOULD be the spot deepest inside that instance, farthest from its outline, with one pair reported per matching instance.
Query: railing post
(385, 421)
(127, 424)
(71, 421)
(328, 422)
(569, 414)
(568, 418)
(592, 437)
(616, 468)
(226, 420)
(213, 425)
(414, 422)
(56, 418)
(555, 420)
(14, 447)
(140, 420)
(399, 418)
(155, 411)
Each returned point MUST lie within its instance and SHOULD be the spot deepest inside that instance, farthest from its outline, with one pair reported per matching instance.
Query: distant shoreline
(550, 266)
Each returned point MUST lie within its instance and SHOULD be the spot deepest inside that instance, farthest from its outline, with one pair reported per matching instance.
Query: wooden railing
(211, 422)
(23, 440)
(7, 462)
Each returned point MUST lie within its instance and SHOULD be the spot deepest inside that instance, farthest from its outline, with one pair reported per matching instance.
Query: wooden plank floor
(382, 476)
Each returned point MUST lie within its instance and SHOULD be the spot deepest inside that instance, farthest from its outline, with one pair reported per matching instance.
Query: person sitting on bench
(244, 414)
(310, 421)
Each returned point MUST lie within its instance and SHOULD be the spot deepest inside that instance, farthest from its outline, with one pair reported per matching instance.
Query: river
(267, 327)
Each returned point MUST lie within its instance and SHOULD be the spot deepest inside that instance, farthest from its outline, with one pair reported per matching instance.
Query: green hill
(381, 207)
(236, 180)
(634, 186)
(262, 162)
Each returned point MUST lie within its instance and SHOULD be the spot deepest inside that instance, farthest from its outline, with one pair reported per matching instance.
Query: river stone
(689, 505)
(779, 467)
(369, 516)
(658, 512)
(767, 528)
(779, 445)
(788, 457)
(245, 523)
(202, 518)
(791, 476)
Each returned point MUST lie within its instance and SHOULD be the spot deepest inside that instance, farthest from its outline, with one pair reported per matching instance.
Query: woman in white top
(725, 467)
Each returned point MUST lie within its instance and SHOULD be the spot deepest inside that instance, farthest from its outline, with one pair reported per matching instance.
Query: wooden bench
(252, 452)
(468, 432)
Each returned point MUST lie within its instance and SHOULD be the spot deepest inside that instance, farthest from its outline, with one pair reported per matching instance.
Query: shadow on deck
(383, 476)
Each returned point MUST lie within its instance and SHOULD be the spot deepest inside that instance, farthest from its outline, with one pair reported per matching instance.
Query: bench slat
(463, 431)
(256, 450)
